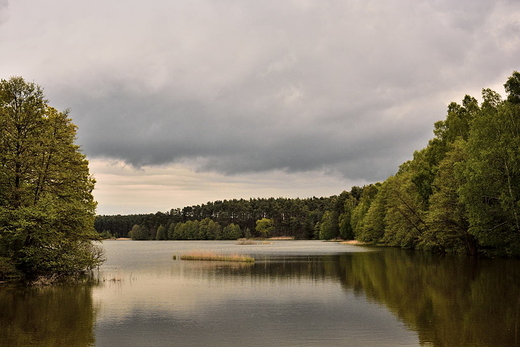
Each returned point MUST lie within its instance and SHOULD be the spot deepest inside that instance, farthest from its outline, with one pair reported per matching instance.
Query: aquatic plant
(211, 256)
(246, 242)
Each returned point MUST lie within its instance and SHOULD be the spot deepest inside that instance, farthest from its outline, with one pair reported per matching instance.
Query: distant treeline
(460, 194)
(298, 218)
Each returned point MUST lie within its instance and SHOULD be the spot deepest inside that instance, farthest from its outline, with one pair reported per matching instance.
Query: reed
(246, 242)
(210, 256)
(113, 279)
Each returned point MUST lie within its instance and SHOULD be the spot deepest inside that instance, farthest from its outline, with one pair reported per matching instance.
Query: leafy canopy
(47, 209)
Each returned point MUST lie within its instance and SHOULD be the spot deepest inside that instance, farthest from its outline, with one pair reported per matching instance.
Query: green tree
(161, 233)
(178, 232)
(345, 226)
(374, 220)
(491, 190)
(232, 232)
(328, 226)
(357, 220)
(203, 233)
(264, 226)
(215, 231)
(47, 210)
(171, 231)
(140, 232)
(512, 87)
(447, 217)
(192, 229)
(407, 204)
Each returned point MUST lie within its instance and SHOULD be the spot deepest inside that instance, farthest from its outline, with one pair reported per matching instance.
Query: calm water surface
(297, 293)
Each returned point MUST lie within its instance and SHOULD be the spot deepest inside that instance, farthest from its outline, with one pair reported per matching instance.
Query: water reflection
(49, 316)
(449, 301)
(290, 298)
(286, 298)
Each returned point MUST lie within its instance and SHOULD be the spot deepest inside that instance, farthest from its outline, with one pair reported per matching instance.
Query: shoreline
(353, 242)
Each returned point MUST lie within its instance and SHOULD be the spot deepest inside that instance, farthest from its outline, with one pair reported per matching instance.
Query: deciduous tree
(46, 205)
(264, 226)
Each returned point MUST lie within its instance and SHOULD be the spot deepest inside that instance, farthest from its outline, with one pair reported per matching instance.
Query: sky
(183, 102)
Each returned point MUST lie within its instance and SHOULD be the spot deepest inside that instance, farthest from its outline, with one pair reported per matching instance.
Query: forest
(459, 194)
(298, 218)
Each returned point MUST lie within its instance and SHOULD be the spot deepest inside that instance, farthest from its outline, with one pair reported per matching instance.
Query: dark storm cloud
(351, 87)
(232, 138)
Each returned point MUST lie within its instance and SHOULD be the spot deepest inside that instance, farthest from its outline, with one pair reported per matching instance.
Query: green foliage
(171, 231)
(205, 229)
(46, 205)
(357, 220)
(374, 218)
(209, 230)
(459, 194)
(139, 232)
(512, 87)
(328, 226)
(161, 233)
(232, 232)
(186, 231)
(345, 219)
(106, 235)
(292, 217)
(491, 190)
(407, 206)
(447, 217)
(264, 226)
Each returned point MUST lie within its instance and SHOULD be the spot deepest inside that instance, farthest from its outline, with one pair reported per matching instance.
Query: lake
(297, 293)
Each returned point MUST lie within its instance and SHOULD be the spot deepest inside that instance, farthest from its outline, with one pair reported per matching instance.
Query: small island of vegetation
(211, 256)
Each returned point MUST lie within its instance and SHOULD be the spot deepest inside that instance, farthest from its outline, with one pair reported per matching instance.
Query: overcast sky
(189, 101)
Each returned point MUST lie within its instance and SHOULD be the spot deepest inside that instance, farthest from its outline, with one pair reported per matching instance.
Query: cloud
(4, 4)
(245, 87)
(125, 190)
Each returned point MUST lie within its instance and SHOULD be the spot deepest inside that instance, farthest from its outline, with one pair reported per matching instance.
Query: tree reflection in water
(47, 316)
(448, 300)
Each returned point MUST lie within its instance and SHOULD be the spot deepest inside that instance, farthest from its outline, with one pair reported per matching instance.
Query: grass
(249, 242)
(210, 256)
(246, 242)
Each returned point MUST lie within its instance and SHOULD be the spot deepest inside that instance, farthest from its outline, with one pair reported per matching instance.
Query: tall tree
(264, 226)
(231, 232)
(512, 87)
(360, 211)
(491, 191)
(345, 225)
(162, 233)
(447, 217)
(47, 209)
(329, 225)
(407, 203)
